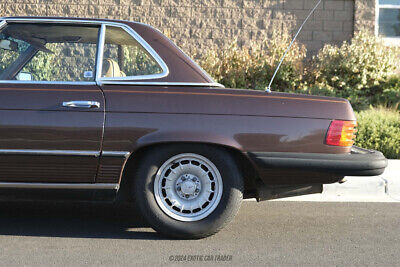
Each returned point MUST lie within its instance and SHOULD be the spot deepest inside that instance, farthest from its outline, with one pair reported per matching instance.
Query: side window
(124, 56)
(48, 52)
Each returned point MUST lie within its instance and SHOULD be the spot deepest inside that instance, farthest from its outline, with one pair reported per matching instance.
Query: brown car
(113, 110)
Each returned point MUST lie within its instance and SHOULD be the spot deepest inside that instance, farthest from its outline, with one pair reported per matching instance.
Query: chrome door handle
(81, 104)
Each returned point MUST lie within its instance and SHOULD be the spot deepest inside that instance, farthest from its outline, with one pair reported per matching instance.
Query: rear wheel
(188, 191)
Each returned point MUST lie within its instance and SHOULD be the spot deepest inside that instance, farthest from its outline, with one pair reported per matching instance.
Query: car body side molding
(63, 152)
(99, 186)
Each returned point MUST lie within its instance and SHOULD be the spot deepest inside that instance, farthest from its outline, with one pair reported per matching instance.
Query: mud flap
(265, 192)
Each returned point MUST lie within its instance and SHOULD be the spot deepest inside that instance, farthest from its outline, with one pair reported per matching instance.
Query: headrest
(111, 69)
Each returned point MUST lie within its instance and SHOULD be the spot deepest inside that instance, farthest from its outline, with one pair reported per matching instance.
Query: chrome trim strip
(43, 152)
(149, 49)
(124, 154)
(44, 20)
(100, 50)
(129, 30)
(58, 186)
(2, 24)
(48, 82)
(164, 83)
(101, 82)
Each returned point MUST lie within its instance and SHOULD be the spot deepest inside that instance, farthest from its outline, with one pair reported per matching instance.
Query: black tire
(232, 193)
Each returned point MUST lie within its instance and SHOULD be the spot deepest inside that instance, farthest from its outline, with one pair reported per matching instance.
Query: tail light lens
(341, 133)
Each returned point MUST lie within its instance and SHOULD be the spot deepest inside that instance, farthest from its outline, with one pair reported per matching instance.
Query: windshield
(7, 57)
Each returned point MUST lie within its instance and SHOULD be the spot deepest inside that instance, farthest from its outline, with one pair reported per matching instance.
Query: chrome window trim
(21, 20)
(116, 82)
(164, 84)
(99, 186)
(48, 82)
(128, 29)
(100, 50)
(2, 24)
(147, 47)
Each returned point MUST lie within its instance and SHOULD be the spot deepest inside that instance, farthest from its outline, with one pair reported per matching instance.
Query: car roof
(181, 68)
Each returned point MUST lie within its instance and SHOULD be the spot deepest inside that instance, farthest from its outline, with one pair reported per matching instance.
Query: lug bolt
(179, 188)
(197, 190)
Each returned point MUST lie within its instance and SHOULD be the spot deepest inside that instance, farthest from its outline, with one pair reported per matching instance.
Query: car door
(51, 110)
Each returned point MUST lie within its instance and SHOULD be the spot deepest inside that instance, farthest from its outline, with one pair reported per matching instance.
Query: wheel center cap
(188, 187)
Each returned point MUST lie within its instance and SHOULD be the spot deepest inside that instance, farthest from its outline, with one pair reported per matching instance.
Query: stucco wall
(196, 25)
(364, 15)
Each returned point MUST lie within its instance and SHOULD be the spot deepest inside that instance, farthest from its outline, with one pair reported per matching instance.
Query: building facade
(197, 25)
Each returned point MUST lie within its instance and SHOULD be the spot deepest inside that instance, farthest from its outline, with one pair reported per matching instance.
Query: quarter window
(124, 56)
(389, 18)
(48, 52)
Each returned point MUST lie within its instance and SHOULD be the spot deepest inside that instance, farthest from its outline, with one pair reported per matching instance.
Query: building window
(388, 19)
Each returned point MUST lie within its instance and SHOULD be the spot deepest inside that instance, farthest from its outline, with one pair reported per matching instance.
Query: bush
(363, 71)
(358, 71)
(390, 95)
(252, 67)
(379, 129)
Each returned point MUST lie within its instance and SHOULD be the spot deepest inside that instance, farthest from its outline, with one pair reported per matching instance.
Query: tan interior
(111, 69)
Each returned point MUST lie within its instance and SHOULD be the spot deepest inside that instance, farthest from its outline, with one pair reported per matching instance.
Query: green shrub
(389, 96)
(365, 71)
(252, 67)
(358, 71)
(379, 129)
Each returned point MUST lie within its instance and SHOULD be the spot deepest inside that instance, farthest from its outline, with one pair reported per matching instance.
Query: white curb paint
(383, 188)
(392, 178)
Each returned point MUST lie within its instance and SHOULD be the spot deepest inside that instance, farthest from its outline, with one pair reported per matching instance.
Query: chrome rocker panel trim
(78, 153)
(58, 186)
(121, 154)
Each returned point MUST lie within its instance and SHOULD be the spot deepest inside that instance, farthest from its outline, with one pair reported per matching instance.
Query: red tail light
(341, 133)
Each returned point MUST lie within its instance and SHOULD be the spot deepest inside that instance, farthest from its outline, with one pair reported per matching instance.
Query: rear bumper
(360, 162)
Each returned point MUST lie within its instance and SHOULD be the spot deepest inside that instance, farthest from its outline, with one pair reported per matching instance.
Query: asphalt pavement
(266, 233)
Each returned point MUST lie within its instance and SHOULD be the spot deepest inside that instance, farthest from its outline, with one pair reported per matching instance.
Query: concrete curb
(392, 178)
(383, 188)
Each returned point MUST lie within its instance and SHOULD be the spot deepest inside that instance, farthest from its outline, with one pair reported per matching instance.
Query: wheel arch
(244, 164)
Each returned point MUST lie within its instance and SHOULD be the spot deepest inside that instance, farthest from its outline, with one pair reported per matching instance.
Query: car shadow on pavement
(73, 221)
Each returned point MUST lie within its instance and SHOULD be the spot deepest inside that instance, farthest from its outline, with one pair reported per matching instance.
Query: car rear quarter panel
(138, 116)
